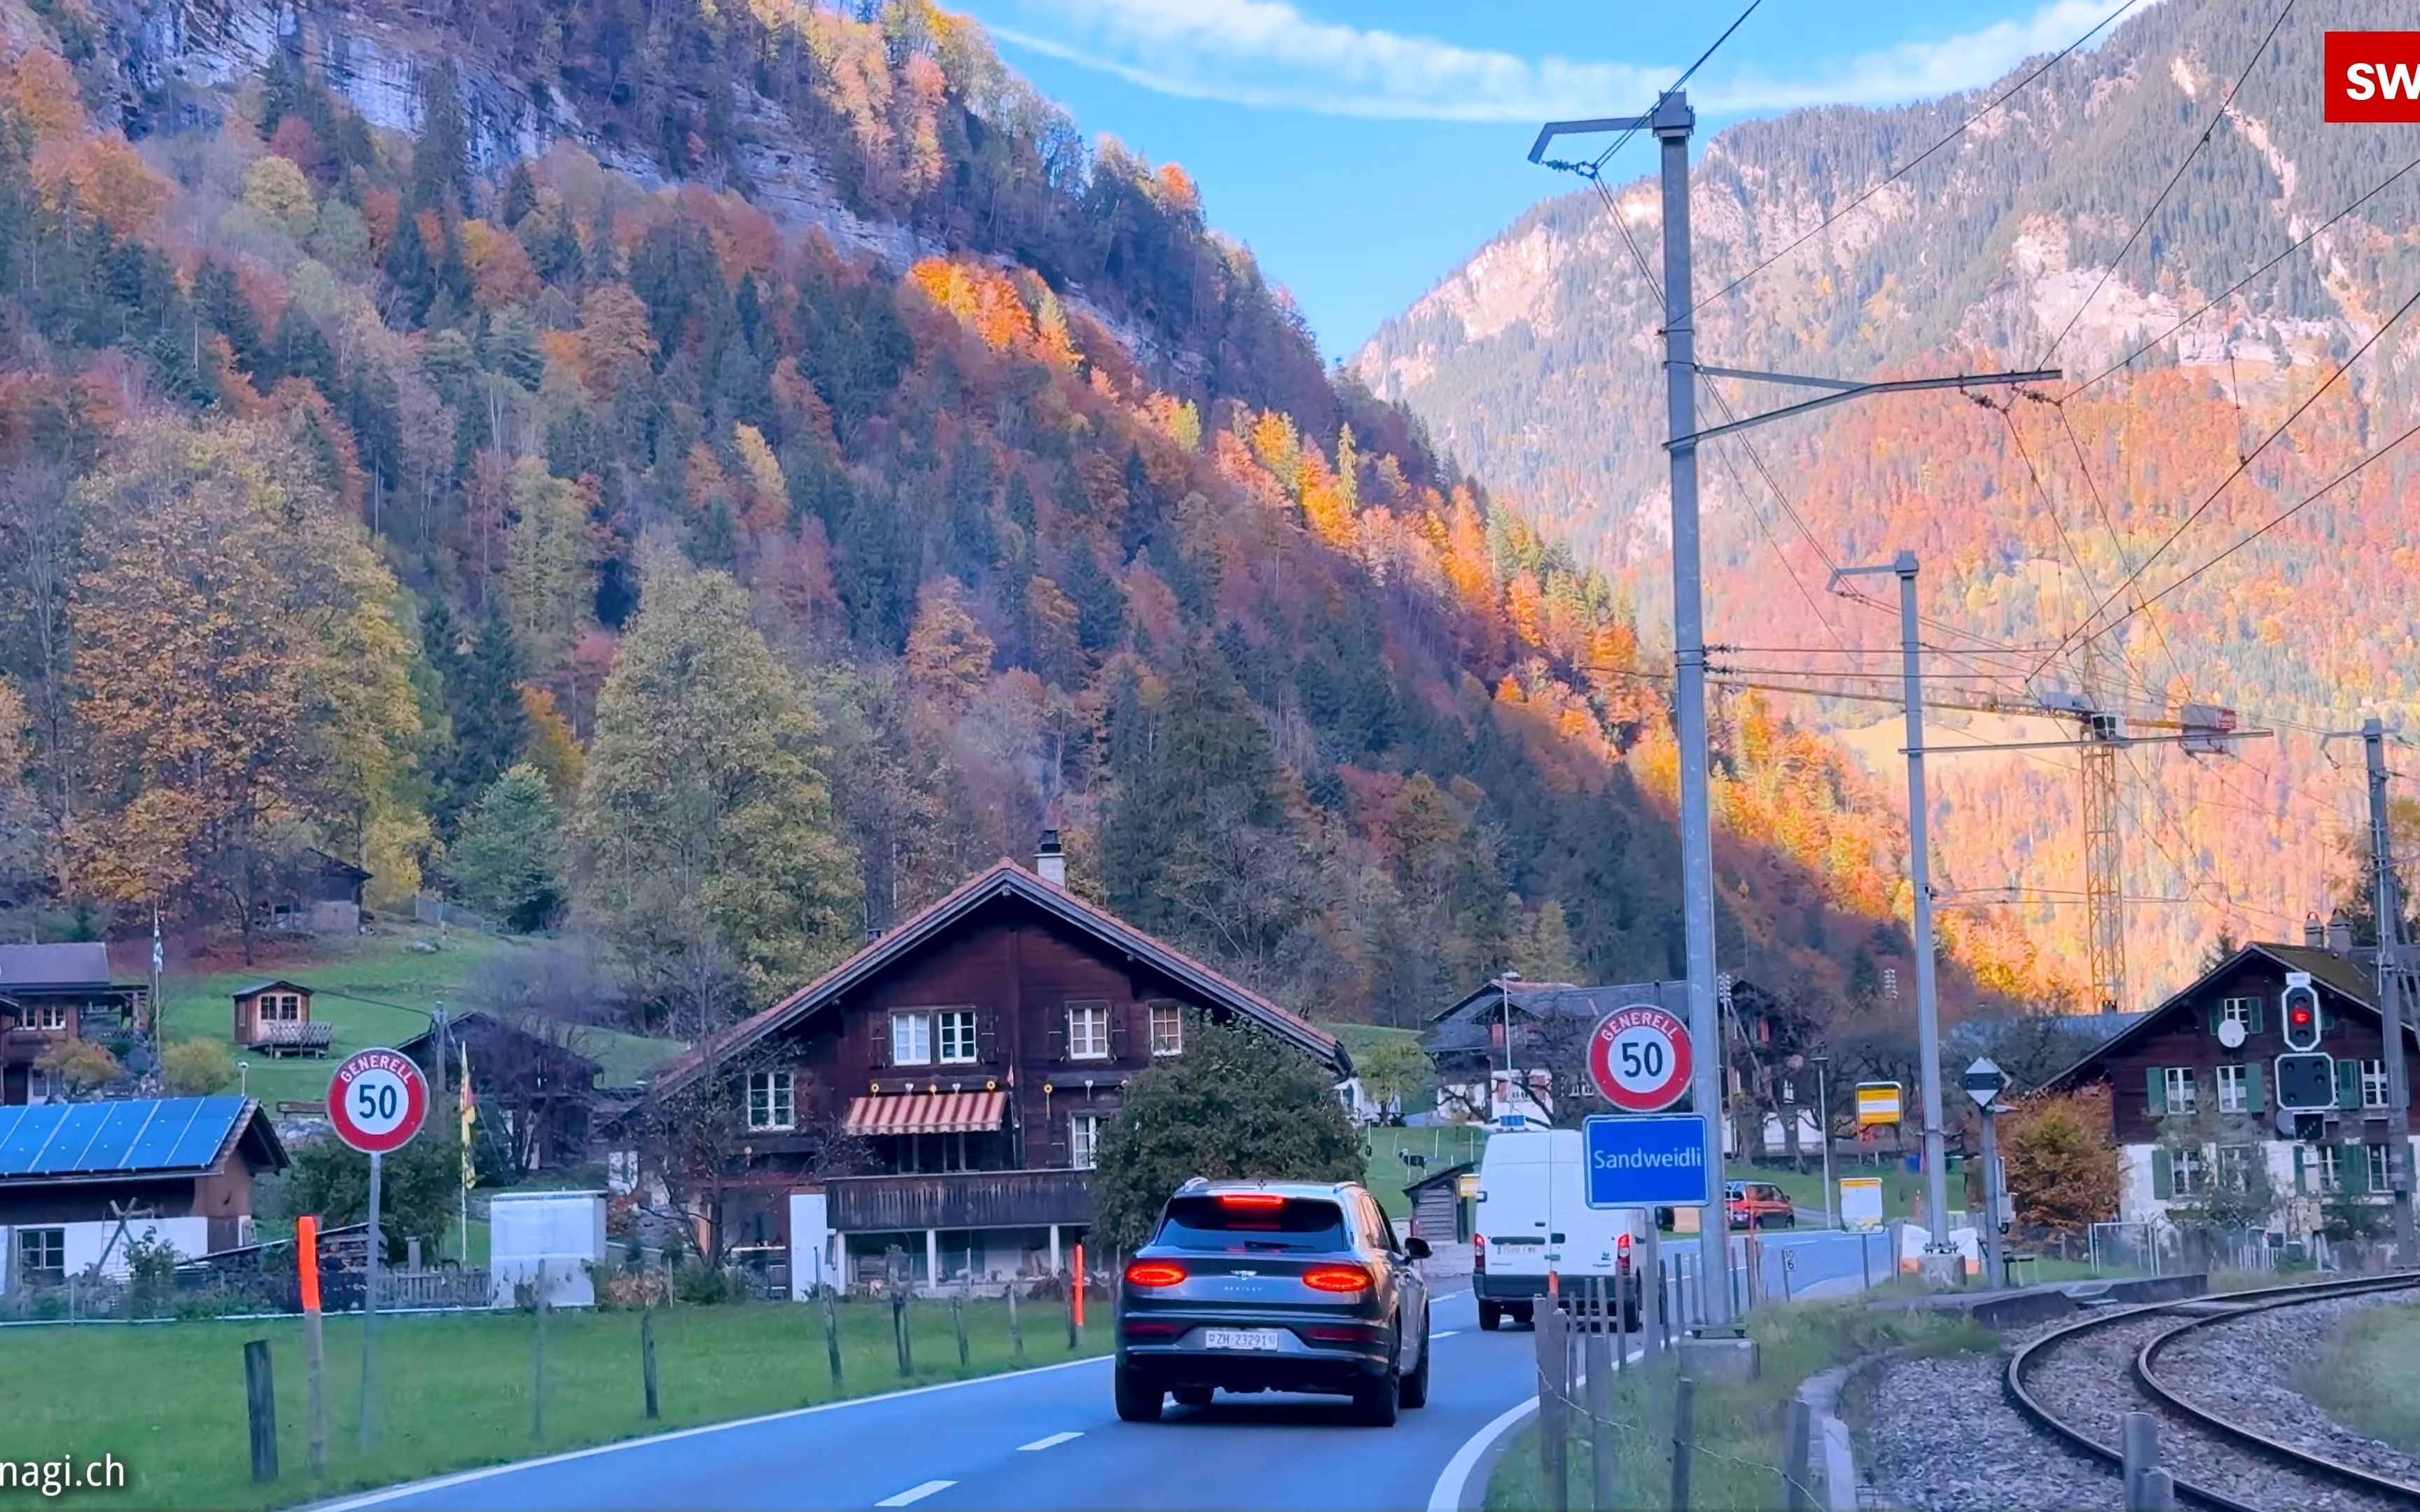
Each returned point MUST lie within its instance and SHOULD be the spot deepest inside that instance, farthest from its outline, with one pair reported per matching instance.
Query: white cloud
(1269, 53)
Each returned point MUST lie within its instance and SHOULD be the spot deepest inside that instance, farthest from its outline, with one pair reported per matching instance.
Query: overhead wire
(1909, 166)
(2140, 227)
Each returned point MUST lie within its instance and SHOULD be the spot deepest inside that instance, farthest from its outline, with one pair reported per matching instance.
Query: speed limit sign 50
(377, 1101)
(1639, 1059)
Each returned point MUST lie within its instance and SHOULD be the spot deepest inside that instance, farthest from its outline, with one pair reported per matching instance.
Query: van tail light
(1478, 1254)
(1621, 1254)
(1337, 1278)
(1154, 1273)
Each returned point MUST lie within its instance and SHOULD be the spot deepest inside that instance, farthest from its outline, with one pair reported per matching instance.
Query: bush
(196, 1068)
(78, 1065)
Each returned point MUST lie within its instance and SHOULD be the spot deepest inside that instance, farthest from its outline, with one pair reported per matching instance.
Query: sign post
(377, 1101)
(1984, 1082)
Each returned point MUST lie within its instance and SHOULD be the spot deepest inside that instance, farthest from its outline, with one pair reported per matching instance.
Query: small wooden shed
(1441, 1214)
(276, 1016)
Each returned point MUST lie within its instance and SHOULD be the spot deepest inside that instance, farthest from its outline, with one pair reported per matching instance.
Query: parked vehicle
(1534, 1218)
(1758, 1205)
(1273, 1285)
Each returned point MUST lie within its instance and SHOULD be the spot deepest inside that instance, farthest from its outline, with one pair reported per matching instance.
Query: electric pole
(1672, 122)
(2390, 1004)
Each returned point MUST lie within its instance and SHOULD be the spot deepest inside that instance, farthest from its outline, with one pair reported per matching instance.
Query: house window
(1088, 1032)
(957, 1037)
(46, 1016)
(911, 1039)
(2373, 1083)
(1166, 1028)
(2243, 1010)
(2331, 1169)
(2187, 1175)
(772, 1100)
(2234, 1167)
(2176, 1083)
(43, 1256)
(1083, 1139)
(2234, 1089)
(2380, 1178)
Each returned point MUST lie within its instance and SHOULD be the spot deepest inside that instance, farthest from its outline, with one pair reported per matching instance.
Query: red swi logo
(2373, 77)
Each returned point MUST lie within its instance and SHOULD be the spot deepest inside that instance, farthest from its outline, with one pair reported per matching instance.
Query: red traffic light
(2302, 1017)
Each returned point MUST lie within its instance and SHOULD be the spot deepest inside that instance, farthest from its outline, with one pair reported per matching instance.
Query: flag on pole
(470, 1108)
(159, 953)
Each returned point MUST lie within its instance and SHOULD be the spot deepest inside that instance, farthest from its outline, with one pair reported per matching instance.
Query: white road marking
(1454, 1485)
(916, 1493)
(1445, 1333)
(1051, 1442)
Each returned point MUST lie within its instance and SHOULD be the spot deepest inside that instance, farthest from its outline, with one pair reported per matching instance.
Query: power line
(2175, 179)
(1674, 88)
(1909, 166)
(2237, 287)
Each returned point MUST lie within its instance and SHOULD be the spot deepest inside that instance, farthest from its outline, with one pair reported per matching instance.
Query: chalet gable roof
(1006, 880)
(478, 1027)
(67, 965)
(268, 984)
(2344, 983)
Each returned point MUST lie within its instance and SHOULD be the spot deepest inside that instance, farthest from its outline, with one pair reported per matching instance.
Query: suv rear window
(1241, 1221)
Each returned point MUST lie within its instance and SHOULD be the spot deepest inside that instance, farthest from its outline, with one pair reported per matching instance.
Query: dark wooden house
(969, 1056)
(274, 1017)
(51, 993)
(79, 1179)
(536, 1093)
(318, 893)
(2192, 1084)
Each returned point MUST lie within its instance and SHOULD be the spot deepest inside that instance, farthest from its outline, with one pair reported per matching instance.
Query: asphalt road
(1041, 1439)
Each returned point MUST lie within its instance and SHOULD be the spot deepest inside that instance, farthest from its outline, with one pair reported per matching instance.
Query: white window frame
(956, 1037)
(24, 1271)
(911, 1037)
(2380, 1168)
(1093, 1014)
(2328, 1169)
(2234, 1089)
(2373, 1083)
(773, 1101)
(1083, 1140)
(2233, 1165)
(2188, 1172)
(50, 1016)
(2176, 1089)
(1167, 1028)
(2237, 1010)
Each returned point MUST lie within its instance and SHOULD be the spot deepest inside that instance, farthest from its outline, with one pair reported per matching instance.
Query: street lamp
(1824, 1127)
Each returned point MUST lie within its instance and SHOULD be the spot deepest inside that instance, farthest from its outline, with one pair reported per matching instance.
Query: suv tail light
(1478, 1254)
(1337, 1278)
(1250, 1199)
(1154, 1273)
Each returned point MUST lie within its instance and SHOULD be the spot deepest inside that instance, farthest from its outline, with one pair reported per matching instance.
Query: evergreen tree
(508, 859)
(441, 159)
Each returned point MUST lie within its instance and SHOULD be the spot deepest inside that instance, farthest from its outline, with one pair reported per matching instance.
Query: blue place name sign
(1649, 1161)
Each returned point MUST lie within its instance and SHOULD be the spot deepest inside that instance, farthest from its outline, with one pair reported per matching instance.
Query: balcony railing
(959, 1199)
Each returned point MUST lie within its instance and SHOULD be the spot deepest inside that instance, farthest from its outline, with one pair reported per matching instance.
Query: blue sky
(1364, 147)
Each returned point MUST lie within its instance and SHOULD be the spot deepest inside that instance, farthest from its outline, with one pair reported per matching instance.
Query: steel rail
(2031, 1407)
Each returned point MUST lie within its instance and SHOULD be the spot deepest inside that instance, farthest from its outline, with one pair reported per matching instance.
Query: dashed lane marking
(1445, 1333)
(1051, 1442)
(916, 1493)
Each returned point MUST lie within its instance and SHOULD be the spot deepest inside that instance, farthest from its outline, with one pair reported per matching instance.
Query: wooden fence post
(1016, 1330)
(959, 1322)
(1685, 1438)
(832, 1335)
(1797, 1441)
(899, 1338)
(1554, 1401)
(647, 1357)
(260, 1409)
(1605, 1340)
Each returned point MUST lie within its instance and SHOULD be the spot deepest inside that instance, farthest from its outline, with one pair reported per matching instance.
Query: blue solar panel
(109, 1148)
(64, 1153)
(212, 1118)
(159, 1137)
(25, 1141)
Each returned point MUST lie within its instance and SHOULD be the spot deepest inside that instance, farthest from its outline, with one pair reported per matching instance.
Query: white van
(1534, 1217)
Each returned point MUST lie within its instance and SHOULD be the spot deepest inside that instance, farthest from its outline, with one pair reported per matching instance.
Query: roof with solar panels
(141, 1139)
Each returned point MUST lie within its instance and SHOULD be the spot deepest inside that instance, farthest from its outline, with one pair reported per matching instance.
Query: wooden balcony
(959, 1199)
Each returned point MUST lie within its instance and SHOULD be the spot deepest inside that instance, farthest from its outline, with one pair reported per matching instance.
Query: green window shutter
(2217, 1010)
(2348, 1084)
(2302, 1171)
(2163, 1181)
(2258, 1004)
(2156, 1077)
(2256, 1098)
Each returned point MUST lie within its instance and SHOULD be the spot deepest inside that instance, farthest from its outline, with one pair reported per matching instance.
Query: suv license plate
(1243, 1338)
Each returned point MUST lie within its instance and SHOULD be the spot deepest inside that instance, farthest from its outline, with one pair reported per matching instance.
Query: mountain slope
(1536, 366)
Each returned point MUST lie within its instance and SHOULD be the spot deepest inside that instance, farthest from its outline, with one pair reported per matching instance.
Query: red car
(1758, 1205)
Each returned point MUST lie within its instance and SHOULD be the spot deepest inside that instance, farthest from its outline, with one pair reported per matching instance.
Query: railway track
(2079, 1381)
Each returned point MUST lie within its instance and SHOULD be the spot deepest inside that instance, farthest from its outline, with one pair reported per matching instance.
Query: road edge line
(381, 1495)
(1452, 1492)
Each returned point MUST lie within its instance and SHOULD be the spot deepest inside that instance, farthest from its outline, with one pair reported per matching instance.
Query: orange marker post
(1076, 1295)
(307, 1272)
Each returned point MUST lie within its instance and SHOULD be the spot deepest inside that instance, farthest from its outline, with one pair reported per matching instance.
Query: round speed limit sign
(377, 1101)
(1639, 1059)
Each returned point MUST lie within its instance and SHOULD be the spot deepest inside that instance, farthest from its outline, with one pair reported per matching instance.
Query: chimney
(1049, 861)
(2315, 935)
(2339, 933)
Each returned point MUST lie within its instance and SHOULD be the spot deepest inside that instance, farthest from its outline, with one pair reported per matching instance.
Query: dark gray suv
(1273, 1285)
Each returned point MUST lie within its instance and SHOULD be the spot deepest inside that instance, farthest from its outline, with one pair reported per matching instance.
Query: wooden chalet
(971, 1056)
(79, 1179)
(274, 1017)
(53, 993)
(535, 1091)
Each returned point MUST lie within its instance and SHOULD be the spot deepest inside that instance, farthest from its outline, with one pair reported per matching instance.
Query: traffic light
(2306, 1083)
(2300, 1017)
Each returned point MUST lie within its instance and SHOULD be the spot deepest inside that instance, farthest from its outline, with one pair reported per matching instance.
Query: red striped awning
(926, 1113)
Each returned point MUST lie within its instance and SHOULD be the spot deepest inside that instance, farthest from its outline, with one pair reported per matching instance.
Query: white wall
(2298, 1212)
(565, 1231)
(86, 1241)
(811, 1247)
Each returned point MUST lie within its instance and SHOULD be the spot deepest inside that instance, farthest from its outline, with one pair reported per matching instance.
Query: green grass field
(1389, 1175)
(1739, 1428)
(375, 989)
(2366, 1374)
(455, 1392)
(1806, 1188)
